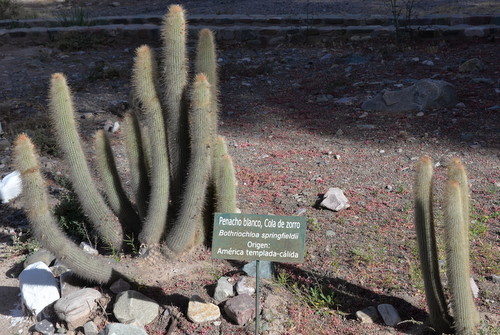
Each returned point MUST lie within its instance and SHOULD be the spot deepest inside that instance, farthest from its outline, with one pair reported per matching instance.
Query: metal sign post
(257, 296)
(251, 237)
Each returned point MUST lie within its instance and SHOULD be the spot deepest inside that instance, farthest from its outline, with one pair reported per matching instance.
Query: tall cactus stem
(424, 225)
(458, 267)
(183, 233)
(62, 116)
(143, 80)
(206, 62)
(139, 177)
(45, 226)
(175, 80)
(115, 193)
(456, 171)
(224, 179)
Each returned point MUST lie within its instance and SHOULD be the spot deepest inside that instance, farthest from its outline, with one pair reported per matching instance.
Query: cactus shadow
(351, 298)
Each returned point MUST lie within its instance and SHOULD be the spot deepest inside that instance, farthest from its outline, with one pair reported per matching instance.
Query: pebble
(420, 114)
(428, 63)
(368, 315)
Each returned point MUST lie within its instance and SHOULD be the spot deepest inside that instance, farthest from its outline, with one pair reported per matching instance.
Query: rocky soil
(292, 118)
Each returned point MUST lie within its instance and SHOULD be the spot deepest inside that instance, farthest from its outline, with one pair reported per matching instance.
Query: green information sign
(259, 237)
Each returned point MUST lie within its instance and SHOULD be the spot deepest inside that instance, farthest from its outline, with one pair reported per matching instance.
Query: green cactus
(167, 208)
(456, 217)
(424, 226)
(45, 227)
(225, 179)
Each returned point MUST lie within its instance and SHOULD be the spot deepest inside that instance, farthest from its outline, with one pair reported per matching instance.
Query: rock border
(259, 30)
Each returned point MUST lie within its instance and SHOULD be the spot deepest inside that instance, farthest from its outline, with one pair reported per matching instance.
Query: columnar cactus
(170, 143)
(456, 212)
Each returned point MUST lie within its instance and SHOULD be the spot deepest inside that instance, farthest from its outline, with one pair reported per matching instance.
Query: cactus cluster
(465, 317)
(180, 169)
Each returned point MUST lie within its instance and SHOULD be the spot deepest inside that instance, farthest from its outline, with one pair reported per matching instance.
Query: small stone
(339, 132)
(428, 63)
(115, 4)
(224, 289)
(116, 127)
(362, 116)
(326, 57)
(460, 105)
(336, 157)
(381, 151)
(471, 65)
(88, 248)
(330, 233)
(134, 307)
(389, 188)
(246, 285)
(75, 308)
(474, 288)
(200, 311)
(90, 328)
(266, 269)
(368, 315)
(420, 114)
(240, 309)
(4, 144)
(335, 200)
(389, 314)
(41, 255)
(122, 329)
(45, 327)
(38, 287)
(119, 286)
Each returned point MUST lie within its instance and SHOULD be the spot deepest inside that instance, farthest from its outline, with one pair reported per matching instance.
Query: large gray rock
(424, 94)
(200, 311)
(121, 329)
(38, 287)
(134, 307)
(389, 314)
(335, 200)
(266, 269)
(224, 289)
(240, 309)
(76, 307)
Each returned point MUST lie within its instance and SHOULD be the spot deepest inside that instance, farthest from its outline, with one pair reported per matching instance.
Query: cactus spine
(168, 206)
(456, 211)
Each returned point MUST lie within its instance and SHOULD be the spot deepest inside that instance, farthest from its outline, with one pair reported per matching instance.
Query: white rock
(474, 288)
(88, 248)
(200, 311)
(10, 186)
(335, 200)
(38, 287)
(246, 285)
(389, 314)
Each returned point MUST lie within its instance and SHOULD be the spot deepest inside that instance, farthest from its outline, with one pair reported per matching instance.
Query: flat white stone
(38, 287)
